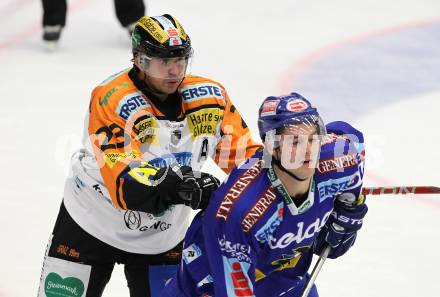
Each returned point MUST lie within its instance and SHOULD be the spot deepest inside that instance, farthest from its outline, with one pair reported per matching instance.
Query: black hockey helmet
(160, 36)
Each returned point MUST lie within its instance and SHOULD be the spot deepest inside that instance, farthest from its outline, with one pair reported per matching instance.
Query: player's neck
(293, 187)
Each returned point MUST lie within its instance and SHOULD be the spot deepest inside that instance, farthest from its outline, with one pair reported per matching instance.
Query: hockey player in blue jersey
(263, 225)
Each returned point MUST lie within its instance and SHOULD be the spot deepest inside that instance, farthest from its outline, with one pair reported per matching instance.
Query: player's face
(299, 149)
(166, 74)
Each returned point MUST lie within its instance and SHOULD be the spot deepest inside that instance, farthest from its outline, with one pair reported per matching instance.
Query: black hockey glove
(196, 192)
(170, 185)
(168, 180)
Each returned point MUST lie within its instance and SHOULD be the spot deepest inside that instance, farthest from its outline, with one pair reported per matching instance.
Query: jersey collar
(278, 185)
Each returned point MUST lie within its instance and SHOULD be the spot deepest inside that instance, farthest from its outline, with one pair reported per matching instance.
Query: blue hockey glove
(340, 229)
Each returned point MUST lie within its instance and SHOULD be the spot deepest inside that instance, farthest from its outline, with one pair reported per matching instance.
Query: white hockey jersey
(125, 128)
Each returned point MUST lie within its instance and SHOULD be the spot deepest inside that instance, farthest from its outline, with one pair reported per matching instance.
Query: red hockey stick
(400, 190)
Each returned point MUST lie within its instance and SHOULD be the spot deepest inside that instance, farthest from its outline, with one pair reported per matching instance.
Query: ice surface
(370, 62)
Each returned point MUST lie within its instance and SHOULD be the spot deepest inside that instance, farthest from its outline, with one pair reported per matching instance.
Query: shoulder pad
(341, 139)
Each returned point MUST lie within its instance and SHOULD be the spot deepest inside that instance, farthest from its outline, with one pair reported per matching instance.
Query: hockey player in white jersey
(148, 131)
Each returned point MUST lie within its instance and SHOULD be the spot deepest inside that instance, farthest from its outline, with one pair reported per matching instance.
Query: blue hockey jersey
(253, 240)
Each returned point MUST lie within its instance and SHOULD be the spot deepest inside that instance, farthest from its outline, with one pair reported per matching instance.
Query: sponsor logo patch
(204, 122)
(55, 286)
(202, 91)
(107, 95)
(236, 190)
(159, 225)
(191, 253)
(67, 251)
(130, 104)
(172, 32)
(259, 208)
(133, 221)
(112, 158)
(302, 233)
(265, 232)
(147, 130)
(269, 107)
(331, 187)
(338, 163)
(236, 250)
(237, 281)
(153, 28)
(184, 159)
(297, 105)
(175, 41)
(207, 280)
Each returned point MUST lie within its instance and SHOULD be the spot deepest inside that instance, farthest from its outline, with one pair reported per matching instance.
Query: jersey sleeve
(231, 256)
(236, 144)
(129, 179)
(342, 162)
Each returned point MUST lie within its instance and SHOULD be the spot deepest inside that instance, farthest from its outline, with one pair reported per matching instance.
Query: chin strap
(280, 166)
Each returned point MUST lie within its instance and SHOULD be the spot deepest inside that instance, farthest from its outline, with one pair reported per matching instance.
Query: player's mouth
(172, 81)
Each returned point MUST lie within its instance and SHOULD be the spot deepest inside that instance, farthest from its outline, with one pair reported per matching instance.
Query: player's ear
(140, 61)
(135, 59)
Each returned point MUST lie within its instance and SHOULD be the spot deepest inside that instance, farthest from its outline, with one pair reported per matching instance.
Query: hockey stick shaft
(367, 191)
(400, 190)
(315, 271)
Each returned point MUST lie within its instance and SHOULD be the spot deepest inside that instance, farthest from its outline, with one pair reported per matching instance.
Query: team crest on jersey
(176, 135)
(176, 131)
(290, 260)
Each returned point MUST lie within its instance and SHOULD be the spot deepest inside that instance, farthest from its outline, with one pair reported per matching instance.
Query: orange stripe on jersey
(121, 195)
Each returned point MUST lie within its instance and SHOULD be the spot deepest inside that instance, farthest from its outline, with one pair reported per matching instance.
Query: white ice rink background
(373, 63)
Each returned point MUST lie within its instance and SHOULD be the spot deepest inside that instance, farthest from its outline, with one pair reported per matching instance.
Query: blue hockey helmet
(281, 111)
